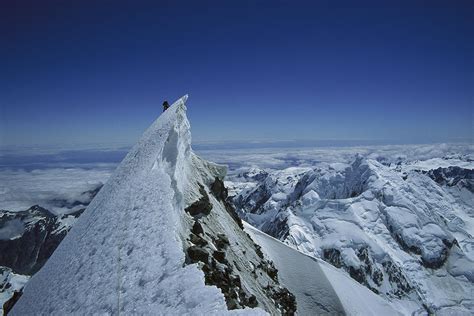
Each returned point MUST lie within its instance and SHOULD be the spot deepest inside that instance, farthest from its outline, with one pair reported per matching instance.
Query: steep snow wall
(125, 254)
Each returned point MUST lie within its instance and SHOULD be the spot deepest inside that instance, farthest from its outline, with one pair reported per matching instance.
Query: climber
(165, 106)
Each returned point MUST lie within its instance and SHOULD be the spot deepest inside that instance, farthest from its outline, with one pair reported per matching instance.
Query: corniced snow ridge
(125, 255)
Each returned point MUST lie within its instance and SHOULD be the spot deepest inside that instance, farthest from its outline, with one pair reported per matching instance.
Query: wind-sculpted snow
(125, 255)
(404, 230)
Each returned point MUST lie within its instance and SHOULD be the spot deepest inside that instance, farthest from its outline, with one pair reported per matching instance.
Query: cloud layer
(279, 158)
(20, 189)
(27, 179)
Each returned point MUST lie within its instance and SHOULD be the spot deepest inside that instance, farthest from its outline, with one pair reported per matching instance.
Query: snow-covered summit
(125, 254)
(159, 238)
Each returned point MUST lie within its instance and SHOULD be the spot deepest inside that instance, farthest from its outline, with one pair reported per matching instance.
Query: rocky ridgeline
(34, 234)
(215, 255)
(37, 237)
(371, 273)
(28, 238)
(453, 176)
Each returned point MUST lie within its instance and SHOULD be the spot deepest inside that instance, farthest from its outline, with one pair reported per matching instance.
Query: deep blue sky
(80, 72)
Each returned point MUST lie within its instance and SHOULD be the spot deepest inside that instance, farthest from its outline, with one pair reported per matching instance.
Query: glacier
(402, 229)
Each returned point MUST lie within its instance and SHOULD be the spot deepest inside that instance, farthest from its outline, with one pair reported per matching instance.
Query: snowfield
(320, 289)
(403, 229)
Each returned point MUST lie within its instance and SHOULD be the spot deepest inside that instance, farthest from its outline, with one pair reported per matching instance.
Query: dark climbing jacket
(165, 106)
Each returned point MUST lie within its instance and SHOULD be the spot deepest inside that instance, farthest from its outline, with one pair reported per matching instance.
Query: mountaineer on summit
(165, 106)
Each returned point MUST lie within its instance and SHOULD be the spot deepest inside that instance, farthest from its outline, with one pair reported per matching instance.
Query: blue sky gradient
(77, 72)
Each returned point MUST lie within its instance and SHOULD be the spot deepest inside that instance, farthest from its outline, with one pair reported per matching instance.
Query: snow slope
(319, 288)
(9, 283)
(125, 253)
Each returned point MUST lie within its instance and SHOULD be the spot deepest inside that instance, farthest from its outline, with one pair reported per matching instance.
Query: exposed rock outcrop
(34, 241)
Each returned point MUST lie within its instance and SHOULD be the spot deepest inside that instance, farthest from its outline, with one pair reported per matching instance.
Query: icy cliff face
(404, 231)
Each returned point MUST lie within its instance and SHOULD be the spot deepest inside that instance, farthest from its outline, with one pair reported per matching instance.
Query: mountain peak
(139, 249)
(125, 253)
(161, 237)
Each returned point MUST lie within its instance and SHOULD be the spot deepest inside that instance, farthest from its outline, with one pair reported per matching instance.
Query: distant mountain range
(403, 230)
(27, 240)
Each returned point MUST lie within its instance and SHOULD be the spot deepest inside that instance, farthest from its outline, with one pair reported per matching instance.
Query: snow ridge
(125, 254)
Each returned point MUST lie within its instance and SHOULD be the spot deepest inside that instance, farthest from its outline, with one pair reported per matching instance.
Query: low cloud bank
(27, 178)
